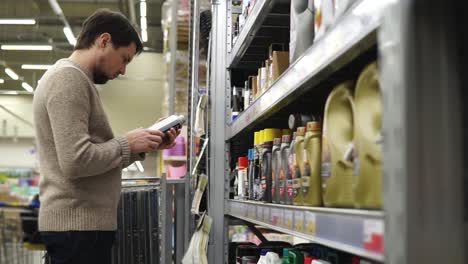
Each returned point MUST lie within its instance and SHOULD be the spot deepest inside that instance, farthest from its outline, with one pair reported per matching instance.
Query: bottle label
(289, 189)
(296, 187)
(326, 169)
(356, 166)
(326, 157)
(281, 189)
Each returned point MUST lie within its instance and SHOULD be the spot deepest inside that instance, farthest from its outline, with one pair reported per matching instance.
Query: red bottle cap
(243, 162)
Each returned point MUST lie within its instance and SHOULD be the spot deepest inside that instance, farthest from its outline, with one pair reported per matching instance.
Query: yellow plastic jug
(299, 153)
(368, 138)
(337, 137)
(311, 177)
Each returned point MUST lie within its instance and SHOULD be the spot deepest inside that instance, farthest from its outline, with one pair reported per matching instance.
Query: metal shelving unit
(351, 36)
(357, 232)
(409, 224)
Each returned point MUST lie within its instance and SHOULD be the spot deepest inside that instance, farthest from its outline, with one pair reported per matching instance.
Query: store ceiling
(49, 30)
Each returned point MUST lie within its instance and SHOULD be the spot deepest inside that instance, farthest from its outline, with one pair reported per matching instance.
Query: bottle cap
(270, 134)
(277, 141)
(243, 162)
(300, 131)
(313, 126)
(251, 154)
(256, 138)
(286, 139)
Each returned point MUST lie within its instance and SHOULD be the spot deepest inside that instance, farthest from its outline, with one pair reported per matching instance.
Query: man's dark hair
(105, 21)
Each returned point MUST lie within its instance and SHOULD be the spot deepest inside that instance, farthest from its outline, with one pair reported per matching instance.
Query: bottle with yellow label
(337, 145)
(311, 177)
(368, 139)
(299, 153)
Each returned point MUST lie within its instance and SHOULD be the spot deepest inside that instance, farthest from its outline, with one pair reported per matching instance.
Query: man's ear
(103, 40)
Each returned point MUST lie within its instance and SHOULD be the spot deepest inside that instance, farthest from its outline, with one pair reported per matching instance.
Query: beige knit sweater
(80, 159)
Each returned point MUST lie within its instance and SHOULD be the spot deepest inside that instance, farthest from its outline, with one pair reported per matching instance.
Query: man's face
(112, 61)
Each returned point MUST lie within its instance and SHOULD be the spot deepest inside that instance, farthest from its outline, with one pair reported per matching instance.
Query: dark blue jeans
(79, 247)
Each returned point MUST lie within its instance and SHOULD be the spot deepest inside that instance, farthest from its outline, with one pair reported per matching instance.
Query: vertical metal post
(180, 219)
(217, 134)
(423, 172)
(173, 50)
(166, 233)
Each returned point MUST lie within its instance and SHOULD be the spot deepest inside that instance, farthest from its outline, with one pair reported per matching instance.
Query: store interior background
(137, 99)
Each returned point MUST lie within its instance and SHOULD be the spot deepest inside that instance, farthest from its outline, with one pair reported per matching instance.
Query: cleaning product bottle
(266, 176)
(285, 258)
(275, 170)
(337, 142)
(257, 165)
(296, 257)
(368, 140)
(262, 259)
(311, 177)
(272, 258)
(299, 168)
(284, 169)
(291, 169)
(242, 180)
(251, 175)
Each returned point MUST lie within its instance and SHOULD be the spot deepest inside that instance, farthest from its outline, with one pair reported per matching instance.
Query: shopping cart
(19, 239)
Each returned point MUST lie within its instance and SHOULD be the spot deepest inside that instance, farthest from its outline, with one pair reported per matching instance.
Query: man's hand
(144, 140)
(169, 139)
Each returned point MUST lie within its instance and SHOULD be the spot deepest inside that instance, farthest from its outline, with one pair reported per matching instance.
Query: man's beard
(100, 77)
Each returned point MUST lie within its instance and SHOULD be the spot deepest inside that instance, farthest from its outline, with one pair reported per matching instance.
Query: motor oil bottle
(368, 140)
(311, 176)
(266, 161)
(284, 169)
(291, 168)
(275, 170)
(337, 142)
(256, 169)
(299, 168)
(250, 174)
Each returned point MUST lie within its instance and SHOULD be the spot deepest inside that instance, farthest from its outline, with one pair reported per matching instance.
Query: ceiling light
(17, 21)
(70, 37)
(143, 23)
(27, 87)
(26, 47)
(143, 8)
(144, 35)
(35, 67)
(11, 73)
(139, 166)
(9, 92)
(2, 81)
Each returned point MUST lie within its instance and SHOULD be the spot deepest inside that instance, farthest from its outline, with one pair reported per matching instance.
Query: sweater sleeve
(68, 107)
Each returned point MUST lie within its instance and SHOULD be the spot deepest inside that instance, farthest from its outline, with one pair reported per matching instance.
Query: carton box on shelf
(253, 84)
(279, 64)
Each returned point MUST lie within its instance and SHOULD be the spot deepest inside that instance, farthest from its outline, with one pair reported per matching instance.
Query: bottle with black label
(284, 166)
(266, 176)
(250, 174)
(311, 176)
(257, 165)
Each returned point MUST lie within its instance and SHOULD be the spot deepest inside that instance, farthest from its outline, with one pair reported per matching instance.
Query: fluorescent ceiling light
(17, 21)
(11, 73)
(26, 47)
(35, 67)
(2, 81)
(143, 23)
(139, 166)
(27, 87)
(143, 8)
(9, 92)
(70, 37)
(144, 35)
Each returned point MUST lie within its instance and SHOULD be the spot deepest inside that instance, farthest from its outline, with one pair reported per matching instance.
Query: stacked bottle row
(337, 166)
(246, 253)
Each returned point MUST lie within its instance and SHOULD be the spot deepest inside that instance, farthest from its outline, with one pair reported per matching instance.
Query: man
(80, 159)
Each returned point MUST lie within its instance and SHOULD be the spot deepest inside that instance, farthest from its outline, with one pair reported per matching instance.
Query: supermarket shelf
(254, 22)
(352, 35)
(357, 232)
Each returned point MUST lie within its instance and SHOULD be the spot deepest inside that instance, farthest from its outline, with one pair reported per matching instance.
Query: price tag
(373, 236)
(288, 218)
(310, 223)
(299, 221)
